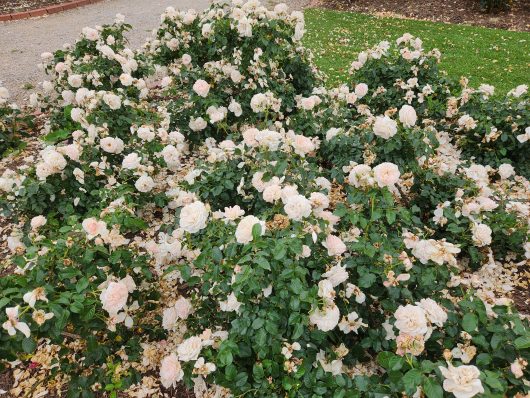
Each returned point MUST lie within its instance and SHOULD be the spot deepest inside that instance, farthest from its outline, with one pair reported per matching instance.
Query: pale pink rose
(303, 145)
(94, 227)
(37, 222)
(201, 87)
(114, 297)
(319, 200)
(183, 308)
(517, 368)
(170, 371)
(249, 137)
(334, 245)
(361, 90)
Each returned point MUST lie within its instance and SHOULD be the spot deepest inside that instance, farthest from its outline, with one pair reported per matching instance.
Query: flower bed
(203, 211)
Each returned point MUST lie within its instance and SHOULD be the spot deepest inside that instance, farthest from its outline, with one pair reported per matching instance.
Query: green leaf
(56, 136)
(256, 231)
(82, 284)
(263, 263)
(76, 307)
(522, 342)
(412, 380)
(432, 389)
(258, 323)
(470, 322)
(298, 331)
(4, 301)
(28, 345)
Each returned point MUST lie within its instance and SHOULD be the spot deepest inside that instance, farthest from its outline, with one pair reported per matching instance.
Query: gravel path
(22, 42)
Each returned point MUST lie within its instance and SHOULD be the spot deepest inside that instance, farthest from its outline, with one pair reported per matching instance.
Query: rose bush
(204, 213)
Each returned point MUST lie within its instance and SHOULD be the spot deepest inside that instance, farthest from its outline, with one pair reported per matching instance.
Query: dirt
(521, 295)
(517, 17)
(12, 6)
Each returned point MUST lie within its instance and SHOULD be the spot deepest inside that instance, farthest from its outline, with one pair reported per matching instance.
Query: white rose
(189, 349)
(506, 170)
(197, 124)
(325, 289)
(193, 217)
(111, 145)
(463, 381)
(145, 133)
(407, 116)
(336, 275)
(235, 108)
(244, 229)
(216, 114)
(270, 139)
(114, 297)
(201, 87)
(126, 79)
(170, 371)
(384, 127)
(297, 207)
(481, 235)
(331, 133)
(131, 161)
(325, 319)
(411, 320)
(169, 318)
(386, 174)
(230, 304)
(206, 29)
(75, 80)
(272, 193)
(112, 100)
(434, 311)
(90, 33)
(144, 183)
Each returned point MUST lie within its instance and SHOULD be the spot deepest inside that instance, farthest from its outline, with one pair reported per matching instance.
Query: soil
(12, 6)
(517, 17)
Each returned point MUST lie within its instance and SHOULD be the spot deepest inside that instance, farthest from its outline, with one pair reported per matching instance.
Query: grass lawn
(494, 56)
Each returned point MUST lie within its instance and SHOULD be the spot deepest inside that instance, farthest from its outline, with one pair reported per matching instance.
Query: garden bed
(451, 11)
(209, 211)
(14, 6)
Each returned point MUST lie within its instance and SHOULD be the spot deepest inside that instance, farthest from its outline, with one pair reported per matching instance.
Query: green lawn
(494, 56)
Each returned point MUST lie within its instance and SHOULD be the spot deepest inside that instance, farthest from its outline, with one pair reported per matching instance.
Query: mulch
(13, 6)
(517, 17)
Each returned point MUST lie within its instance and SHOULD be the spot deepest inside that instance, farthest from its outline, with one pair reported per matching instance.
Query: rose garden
(208, 216)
